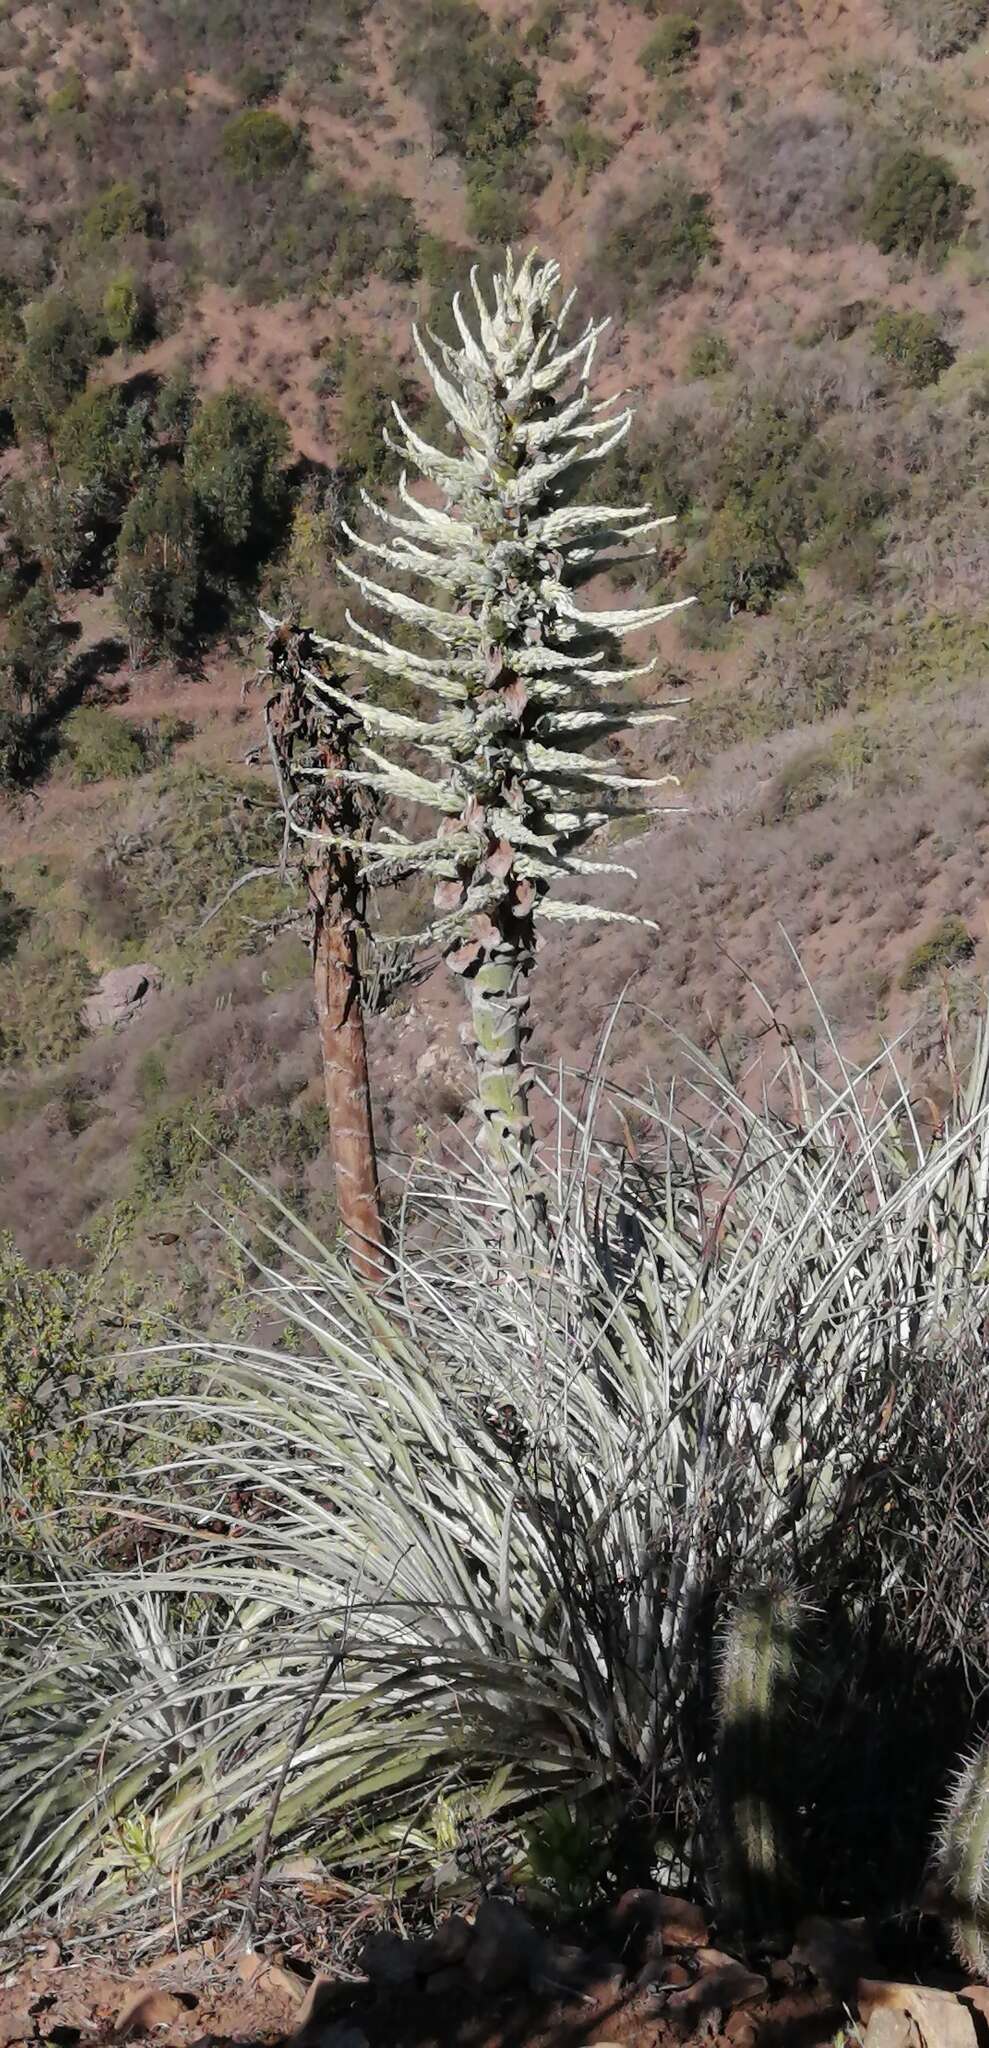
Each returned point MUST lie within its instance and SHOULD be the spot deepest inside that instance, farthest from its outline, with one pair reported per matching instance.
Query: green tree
(516, 667)
(127, 310)
(918, 204)
(158, 565)
(672, 48)
(32, 663)
(59, 346)
(234, 466)
(258, 145)
(116, 213)
(481, 99)
(100, 449)
(913, 346)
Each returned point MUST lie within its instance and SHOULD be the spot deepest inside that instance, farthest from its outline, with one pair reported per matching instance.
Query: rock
(560, 1966)
(741, 2029)
(891, 2030)
(505, 1947)
(388, 1961)
(119, 996)
(719, 1990)
(715, 1959)
(320, 2008)
(661, 1918)
(837, 1952)
(267, 1972)
(661, 1973)
(977, 1996)
(445, 1983)
(938, 2019)
(446, 1946)
(144, 2010)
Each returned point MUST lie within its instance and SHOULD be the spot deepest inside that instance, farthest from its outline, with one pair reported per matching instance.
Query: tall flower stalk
(513, 667)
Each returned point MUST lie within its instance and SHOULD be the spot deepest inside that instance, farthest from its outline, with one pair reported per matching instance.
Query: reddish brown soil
(46, 2000)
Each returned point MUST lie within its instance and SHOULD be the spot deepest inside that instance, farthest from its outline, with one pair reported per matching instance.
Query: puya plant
(518, 675)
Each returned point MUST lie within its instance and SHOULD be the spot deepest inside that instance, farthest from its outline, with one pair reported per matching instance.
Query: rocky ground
(648, 1977)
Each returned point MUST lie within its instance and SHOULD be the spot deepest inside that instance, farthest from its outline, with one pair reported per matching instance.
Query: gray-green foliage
(515, 679)
(524, 1503)
(755, 1704)
(962, 1860)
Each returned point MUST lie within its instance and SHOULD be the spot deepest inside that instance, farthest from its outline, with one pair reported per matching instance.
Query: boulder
(936, 2019)
(505, 1949)
(837, 1952)
(122, 993)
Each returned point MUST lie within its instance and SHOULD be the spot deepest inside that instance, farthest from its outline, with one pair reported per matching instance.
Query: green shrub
(115, 213)
(100, 745)
(710, 355)
(376, 231)
(546, 26)
(949, 943)
(586, 149)
(807, 781)
(718, 20)
(256, 83)
(941, 26)
(158, 564)
(175, 405)
(761, 491)
(101, 447)
(657, 243)
(234, 466)
(70, 97)
(42, 991)
(496, 211)
(674, 45)
(258, 145)
(913, 346)
(60, 343)
(917, 204)
(481, 99)
(127, 310)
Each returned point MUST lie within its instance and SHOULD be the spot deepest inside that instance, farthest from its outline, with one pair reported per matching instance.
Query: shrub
(256, 83)
(761, 489)
(546, 26)
(913, 345)
(101, 746)
(234, 467)
(70, 97)
(376, 231)
(258, 145)
(673, 46)
(175, 406)
(807, 780)
(586, 149)
(949, 943)
(718, 20)
(657, 243)
(127, 310)
(496, 211)
(481, 99)
(795, 177)
(941, 26)
(917, 204)
(42, 991)
(59, 346)
(101, 447)
(710, 355)
(117, 212)
(158, 564)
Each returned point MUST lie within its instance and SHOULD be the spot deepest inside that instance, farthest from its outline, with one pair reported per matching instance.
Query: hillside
(783, 209)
